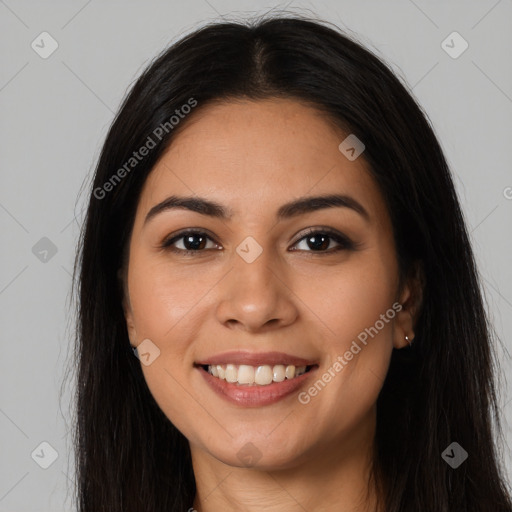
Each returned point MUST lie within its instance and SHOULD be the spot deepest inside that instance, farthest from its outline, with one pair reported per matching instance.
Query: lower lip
(255, 396)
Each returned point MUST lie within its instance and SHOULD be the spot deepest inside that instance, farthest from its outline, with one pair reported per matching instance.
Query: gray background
(54, 116)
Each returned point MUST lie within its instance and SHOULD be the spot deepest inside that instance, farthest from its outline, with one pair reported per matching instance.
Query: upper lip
(255, 358)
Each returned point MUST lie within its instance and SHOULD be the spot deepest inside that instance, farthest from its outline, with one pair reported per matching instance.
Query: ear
(411, 300)
(130, 324)
(127, 309)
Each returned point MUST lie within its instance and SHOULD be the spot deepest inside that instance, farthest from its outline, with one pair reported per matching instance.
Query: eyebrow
(292, 209)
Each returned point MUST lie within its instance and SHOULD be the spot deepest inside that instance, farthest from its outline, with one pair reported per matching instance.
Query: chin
(261, 453)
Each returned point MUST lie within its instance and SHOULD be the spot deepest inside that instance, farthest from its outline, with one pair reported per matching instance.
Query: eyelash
(344, 241)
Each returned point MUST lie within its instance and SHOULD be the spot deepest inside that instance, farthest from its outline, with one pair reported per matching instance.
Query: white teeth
(263, 375)
(231, 373)
(279, 373)
(255, 375)
(245, 374)
(290, 372)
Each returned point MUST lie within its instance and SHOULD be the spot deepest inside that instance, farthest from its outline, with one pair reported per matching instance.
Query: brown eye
(320, 241)
(316, 240)
(192, 242)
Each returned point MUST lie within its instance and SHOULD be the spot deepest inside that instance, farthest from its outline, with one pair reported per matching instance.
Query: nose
(256, 296)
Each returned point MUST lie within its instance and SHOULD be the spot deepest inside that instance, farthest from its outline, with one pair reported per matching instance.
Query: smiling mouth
(260, 375)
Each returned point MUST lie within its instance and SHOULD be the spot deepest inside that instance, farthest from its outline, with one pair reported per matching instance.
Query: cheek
(164, 299)
(351, 298)
(354, 310)
(170, 388)
(163, 308)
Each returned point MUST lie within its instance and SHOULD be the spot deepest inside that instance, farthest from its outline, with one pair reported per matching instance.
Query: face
(318, 284)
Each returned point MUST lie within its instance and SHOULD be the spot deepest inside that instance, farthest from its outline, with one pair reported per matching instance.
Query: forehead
(256, 155)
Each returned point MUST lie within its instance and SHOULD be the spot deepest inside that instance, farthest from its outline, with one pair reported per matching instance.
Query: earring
(408, 340)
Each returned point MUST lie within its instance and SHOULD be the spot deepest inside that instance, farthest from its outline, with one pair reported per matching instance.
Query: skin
(254, 156)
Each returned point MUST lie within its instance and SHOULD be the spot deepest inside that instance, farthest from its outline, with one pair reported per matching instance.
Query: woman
(278, 302)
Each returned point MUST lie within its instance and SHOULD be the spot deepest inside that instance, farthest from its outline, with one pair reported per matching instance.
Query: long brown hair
(130, 457)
